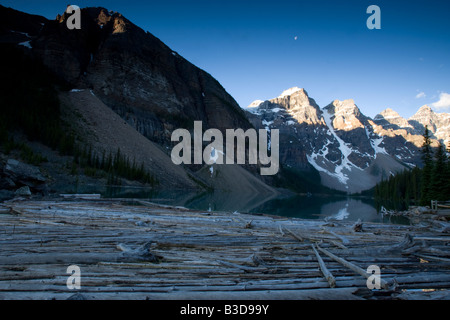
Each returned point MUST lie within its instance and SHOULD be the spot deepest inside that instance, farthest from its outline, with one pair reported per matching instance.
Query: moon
(295, 38)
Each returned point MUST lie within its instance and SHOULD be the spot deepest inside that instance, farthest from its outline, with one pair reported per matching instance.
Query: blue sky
(257, 49)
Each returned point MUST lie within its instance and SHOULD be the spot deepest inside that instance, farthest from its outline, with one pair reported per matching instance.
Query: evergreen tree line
(116, 166)
(420, 185)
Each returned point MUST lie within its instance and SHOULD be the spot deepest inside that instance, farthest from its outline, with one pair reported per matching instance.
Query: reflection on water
(305, 207)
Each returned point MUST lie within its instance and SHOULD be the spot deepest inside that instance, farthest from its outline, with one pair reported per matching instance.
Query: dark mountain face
(152, 87)
(16, 25)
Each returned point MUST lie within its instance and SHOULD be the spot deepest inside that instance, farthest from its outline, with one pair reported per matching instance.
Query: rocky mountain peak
(437, 123)
(390, 118)
(294, 97)
(291, 91)
(254, 104)
(388, 113)
(425, 116)
(347, 106)
(345, 115)
(425, 109)
(299, 106)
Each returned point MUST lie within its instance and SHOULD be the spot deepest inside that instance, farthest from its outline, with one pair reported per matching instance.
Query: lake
(298, 206)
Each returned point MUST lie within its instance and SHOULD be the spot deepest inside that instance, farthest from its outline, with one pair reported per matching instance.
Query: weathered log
(338, 244)
(299, 238)
(244, 268)
(427, 257)
(327, 274)
(352, 266)
(342, 238)
(281, 230)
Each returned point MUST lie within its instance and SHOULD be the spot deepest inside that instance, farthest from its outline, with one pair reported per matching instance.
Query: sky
(258, 49)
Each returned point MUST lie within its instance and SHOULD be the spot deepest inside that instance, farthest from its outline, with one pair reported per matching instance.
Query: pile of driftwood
(132, 249)
(420, 214)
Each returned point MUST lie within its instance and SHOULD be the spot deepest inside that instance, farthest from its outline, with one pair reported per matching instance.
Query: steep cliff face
(144, 81)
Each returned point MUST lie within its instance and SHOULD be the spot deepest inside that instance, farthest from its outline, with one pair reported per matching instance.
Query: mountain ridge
(345, 141)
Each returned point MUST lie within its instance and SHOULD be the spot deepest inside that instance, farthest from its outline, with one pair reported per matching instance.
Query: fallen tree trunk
(352, 266)
(326, 273)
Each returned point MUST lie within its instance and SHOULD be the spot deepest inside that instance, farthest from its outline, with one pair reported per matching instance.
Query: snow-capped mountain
(351, 151)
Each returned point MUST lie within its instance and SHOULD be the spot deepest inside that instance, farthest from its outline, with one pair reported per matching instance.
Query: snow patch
(267, 124)
(345, 150)
(276, 109)
(375, 143)
(255, 104)
(22, 33)
(376, 146)
(26, 44)
(214, 155)
(289, 92)
(342, 214)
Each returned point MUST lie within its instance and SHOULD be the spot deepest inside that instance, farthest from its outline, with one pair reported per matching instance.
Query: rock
(24, 174)
(6, 195)
(420, 210)
(23, 191)
(358, 226)
(139, 254)
(77, 296)
(6, 183)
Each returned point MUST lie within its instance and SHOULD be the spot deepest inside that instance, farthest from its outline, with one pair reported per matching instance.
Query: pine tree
(447, 174)
(427, 158)
(438, 175)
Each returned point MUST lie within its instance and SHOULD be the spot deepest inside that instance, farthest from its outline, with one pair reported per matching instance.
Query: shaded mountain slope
(102, 128)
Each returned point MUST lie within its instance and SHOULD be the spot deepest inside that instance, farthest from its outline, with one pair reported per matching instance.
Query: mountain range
(121, 87)
(350, 150)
